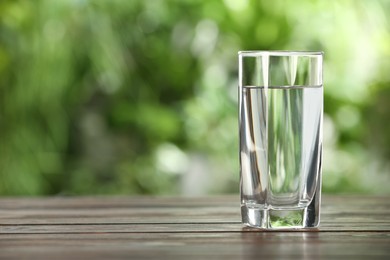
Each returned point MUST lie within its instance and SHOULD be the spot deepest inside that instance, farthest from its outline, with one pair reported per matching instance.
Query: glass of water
(280, 124)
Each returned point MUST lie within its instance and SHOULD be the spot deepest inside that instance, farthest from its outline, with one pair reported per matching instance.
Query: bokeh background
(140, 97)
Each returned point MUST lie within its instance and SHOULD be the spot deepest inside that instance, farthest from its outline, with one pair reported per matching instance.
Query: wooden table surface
(184, 228)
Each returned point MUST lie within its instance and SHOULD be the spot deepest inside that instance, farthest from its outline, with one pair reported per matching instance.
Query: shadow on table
(304, 245)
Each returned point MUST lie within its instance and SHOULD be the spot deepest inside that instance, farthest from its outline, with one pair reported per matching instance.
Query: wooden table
(184, 228)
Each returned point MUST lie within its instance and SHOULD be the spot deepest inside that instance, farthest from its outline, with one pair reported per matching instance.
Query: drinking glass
(280, 125)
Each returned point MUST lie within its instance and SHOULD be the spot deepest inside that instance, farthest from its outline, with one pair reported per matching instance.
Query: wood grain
(196, 246)
(177, 228)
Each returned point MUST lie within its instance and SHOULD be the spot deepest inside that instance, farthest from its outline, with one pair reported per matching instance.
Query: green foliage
(290, 219)
(97, 97)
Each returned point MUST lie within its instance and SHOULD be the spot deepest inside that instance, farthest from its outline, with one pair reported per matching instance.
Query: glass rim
(256, 53)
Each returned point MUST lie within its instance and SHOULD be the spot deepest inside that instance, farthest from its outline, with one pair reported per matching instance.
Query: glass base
(270, 218)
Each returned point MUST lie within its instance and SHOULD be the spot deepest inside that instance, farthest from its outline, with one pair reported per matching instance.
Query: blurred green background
(140, 97)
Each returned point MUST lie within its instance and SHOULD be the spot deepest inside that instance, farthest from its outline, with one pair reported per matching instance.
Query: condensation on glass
(280, 124)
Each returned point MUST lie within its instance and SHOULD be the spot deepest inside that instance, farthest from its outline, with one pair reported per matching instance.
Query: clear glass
(280, 123)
